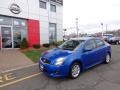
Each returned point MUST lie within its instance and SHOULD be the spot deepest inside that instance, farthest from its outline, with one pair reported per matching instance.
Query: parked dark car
(114, 40)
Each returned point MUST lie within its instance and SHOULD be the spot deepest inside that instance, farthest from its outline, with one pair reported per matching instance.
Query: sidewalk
(10, 59)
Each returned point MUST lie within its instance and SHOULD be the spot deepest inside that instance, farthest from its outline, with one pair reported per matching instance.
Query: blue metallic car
(74, 56)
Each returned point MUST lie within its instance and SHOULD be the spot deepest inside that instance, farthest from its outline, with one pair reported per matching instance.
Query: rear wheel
(117, 42)
(108, 59)
(75, 70)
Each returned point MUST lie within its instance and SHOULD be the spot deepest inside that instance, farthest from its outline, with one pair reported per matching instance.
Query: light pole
(77, 29)
(64, 33)
(106, 28)
(102, 28)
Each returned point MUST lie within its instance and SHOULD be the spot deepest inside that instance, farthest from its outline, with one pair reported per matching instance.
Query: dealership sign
(14, 8)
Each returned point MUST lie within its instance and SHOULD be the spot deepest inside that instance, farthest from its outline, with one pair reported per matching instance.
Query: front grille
(44, 60)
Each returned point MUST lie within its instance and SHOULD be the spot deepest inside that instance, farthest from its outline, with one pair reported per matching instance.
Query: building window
(5, 20)
(12, 37)
(52, 32)
(52, 8)
(42, 4)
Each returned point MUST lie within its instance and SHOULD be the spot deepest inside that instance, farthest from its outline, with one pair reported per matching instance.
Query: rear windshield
(70, 45)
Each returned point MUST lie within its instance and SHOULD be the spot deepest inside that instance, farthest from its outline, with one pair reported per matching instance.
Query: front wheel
(75, 70)
(108, 59)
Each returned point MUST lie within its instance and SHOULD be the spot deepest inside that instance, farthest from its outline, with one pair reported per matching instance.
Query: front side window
(89, 45)
(42, 4)
(99, 42)
(52, 8)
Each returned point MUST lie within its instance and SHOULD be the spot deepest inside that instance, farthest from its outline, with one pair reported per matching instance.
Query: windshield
(70, 45)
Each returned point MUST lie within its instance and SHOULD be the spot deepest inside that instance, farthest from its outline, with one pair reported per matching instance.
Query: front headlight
(59, 61)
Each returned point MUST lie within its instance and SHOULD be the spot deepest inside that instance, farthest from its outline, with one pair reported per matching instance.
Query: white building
(40, 21)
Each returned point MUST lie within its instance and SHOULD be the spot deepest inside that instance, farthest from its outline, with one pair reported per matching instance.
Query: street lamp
(77, 29)
(106, 28)
(64, 33)
(102, 28)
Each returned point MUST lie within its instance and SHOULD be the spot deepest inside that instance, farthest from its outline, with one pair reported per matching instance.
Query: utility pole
(77, 29)
(102, 28)
(106, 28)
(65, 31)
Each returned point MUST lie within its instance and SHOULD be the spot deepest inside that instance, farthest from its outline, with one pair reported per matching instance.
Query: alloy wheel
(75, 71)
(108, 58)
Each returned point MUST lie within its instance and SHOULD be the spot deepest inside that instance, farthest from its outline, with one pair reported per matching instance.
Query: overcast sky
(90, 14)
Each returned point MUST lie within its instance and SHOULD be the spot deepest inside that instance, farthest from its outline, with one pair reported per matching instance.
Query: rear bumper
(53, 70)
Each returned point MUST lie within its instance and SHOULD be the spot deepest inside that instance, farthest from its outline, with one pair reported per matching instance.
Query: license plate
(41, 67)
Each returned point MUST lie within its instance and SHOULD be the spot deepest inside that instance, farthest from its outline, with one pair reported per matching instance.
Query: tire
(117, 42)
(75, 70)
(107, 59)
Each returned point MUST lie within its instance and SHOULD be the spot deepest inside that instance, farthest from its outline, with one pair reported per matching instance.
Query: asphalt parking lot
(100, 77)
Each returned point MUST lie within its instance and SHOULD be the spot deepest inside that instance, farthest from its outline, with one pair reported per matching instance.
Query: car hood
(55, 53)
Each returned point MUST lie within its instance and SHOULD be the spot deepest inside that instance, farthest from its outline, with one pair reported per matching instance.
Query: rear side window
(90, 45)
(99, 42)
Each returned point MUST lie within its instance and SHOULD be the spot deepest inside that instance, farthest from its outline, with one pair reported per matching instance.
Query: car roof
(82, 38)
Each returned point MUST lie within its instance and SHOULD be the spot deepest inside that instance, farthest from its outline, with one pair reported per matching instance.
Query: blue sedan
(74, 56)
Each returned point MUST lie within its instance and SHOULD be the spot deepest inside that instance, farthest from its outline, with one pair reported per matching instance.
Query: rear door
(89, 54)
(100, 50)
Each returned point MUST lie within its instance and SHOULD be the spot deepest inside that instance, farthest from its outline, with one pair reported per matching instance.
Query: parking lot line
(19, 80)
(19, 68)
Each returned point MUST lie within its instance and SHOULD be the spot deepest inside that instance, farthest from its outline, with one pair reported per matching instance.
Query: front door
(6, 37)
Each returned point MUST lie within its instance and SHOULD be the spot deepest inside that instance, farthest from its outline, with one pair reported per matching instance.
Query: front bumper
(53, 70)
